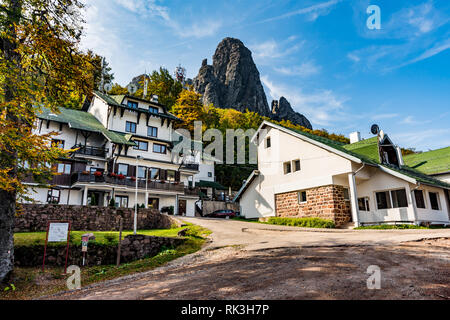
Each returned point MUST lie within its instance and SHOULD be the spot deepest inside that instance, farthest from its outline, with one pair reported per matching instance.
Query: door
(182, 207)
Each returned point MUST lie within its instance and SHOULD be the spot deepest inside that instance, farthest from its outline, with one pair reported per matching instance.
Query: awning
(210, 184)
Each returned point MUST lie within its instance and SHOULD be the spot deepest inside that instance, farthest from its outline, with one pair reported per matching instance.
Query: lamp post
(135, 195)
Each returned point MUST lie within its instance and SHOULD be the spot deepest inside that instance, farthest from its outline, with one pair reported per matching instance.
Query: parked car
(222, 214)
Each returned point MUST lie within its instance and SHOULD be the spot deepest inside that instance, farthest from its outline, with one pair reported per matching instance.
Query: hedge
(302, 222)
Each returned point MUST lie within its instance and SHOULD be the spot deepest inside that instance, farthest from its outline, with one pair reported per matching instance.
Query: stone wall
(34, 217)
(326, 202)
(134, 247)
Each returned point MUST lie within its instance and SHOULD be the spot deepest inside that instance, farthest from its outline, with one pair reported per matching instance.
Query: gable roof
(81, 120)
(365, 151)
(430, 162)
(117, 101)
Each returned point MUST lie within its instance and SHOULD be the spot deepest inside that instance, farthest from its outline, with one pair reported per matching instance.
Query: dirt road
(248, 261)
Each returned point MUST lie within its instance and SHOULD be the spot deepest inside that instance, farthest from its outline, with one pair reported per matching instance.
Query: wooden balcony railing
(80, 177)
(91, 151)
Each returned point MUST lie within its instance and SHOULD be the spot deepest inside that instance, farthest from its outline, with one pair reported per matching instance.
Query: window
(153, 110)
(391, 199)
(122, 201)
(296, 165)
(141, 145)
(287, 167)
(399, 198)
(268, 142)
(141, 172)
(383, 200)
(159, 148)
(346, 194)
(132, 104)
(420, 200)
(171, 175)
(130, 127)
(58, 143)
(122, 169)
(209, 174)
(53, 196)
(434, 200)
(363, 204)
(301, 196)
(64, 168)
(153, 203)
(152, 132)
(154, 173)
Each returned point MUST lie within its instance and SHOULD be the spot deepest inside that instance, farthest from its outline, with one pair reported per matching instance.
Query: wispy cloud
(311, 12)
(382, 116)
(150, 8)
(322, 107)
(306, 69)
(416, 30)
(271, 49)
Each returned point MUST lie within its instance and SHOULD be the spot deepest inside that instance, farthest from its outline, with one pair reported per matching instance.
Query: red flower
(133, 178)
(98, 173)
(121, 176)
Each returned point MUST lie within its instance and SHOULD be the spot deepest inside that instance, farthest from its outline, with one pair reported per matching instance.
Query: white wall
(317, 169)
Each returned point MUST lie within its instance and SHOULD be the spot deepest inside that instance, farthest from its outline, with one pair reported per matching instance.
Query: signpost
(57, 231)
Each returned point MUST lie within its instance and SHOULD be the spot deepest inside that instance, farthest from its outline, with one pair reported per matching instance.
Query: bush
(112, 203)
(302, 222)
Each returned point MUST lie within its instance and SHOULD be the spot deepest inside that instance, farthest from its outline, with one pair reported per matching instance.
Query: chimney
(400, 156)
(154, 98)
(355, 137)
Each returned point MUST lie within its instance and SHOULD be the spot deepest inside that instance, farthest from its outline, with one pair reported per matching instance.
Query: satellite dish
(107, 87)
(374, 129)
(132, 88)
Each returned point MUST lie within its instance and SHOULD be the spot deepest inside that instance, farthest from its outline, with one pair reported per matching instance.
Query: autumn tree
(40, 65)
(189, 108)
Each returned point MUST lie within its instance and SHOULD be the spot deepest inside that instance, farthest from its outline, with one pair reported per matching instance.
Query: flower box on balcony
(121, 176)
(98, 173)
(133, 178)
(86, 173)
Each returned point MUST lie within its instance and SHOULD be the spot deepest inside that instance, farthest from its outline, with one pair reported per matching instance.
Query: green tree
(163, 85)
(40, 65)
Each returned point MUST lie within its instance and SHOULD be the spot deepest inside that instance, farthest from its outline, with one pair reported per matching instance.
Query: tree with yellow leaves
(40, 65)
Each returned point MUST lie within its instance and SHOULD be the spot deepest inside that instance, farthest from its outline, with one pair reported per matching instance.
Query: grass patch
(31, 282)
(301, 222)
(398, 226)
(101, 237)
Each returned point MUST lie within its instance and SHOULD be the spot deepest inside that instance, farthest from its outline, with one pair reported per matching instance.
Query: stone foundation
(34, 217)
(325, 202)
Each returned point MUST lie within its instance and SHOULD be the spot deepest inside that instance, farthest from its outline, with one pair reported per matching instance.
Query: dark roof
(85, 121)
(210, 184)
(117, 101)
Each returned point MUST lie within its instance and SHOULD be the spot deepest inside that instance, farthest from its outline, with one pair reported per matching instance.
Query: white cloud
(148, 8)
(321, 107)
(312, 12)
(385, 116)
(271, 49)
(306, 69)
(423, 139)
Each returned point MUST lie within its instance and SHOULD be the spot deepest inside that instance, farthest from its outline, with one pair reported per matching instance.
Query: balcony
(90, 151)
(190, 166)
(86, 177)
(58, 179)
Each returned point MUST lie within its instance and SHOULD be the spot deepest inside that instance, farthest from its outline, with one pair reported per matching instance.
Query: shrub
(112, 203)
(302, 222)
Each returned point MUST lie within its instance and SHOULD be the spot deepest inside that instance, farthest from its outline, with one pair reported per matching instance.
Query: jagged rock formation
(282, 110)
(233, 81)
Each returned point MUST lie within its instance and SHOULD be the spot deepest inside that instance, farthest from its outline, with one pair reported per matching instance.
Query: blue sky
(320, 55)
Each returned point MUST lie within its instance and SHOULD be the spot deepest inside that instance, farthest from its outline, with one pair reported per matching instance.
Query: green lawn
(31, 282)
(397, 226)
(101, 237)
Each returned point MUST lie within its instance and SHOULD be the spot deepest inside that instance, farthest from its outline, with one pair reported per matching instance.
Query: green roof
(430, 162)
(81, 120)
(367, 151)
(210, 184)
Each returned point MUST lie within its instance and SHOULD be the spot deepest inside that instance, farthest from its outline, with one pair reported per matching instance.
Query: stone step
(348, 225)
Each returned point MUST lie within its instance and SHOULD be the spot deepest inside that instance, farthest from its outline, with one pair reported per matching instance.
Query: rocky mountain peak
(233, 81)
